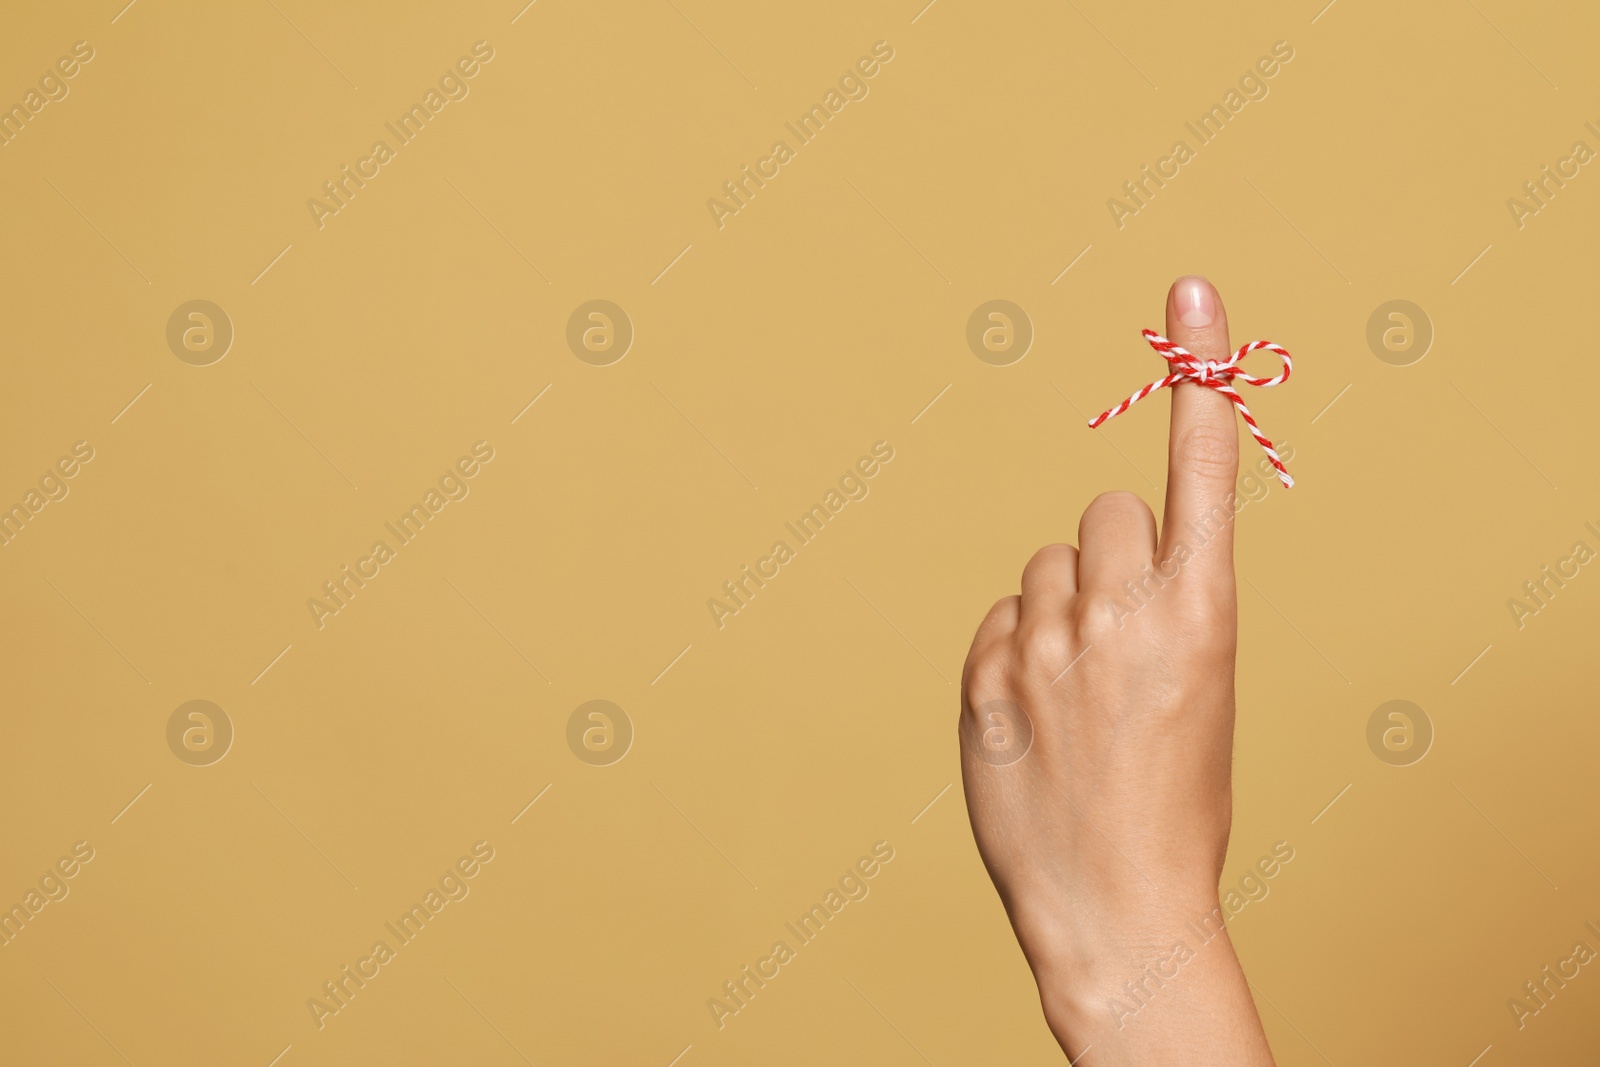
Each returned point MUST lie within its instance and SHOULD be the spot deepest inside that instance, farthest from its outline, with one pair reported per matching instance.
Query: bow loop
(1187, 367)
(1250, 379)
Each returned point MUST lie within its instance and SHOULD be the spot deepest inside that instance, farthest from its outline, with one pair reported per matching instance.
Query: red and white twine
(1187, 367)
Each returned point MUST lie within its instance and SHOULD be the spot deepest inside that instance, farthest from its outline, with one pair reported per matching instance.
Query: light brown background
(823, 318)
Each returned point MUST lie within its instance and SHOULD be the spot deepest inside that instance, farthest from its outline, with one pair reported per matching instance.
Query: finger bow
(1187, 367)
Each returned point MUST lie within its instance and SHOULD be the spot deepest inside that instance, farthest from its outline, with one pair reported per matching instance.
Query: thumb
(1203, 449)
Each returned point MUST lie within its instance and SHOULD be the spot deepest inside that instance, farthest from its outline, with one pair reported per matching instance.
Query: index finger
(1203, 449)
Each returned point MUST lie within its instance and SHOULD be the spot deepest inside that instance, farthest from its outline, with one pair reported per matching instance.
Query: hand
(1096, 746)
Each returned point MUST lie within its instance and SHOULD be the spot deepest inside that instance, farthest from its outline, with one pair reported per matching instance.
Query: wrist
(1100, 973)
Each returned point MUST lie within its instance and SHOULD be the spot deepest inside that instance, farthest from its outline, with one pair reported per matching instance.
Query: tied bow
(1187, 367)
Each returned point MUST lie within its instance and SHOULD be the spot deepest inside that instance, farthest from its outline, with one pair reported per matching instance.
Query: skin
(1105, 833)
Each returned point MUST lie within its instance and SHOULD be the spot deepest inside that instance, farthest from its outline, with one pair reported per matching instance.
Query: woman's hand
(1097, 739)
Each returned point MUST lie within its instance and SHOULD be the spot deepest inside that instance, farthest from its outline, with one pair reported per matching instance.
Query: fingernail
(1195, 301)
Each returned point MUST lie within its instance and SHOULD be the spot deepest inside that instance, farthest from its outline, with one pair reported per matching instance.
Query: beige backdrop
(766, 346)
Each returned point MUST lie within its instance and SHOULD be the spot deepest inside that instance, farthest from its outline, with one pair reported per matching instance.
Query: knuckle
(1043, 647)
(1050, 557)
(1002, 609)
(987, 673)
(998, 618)
(1098, 617)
